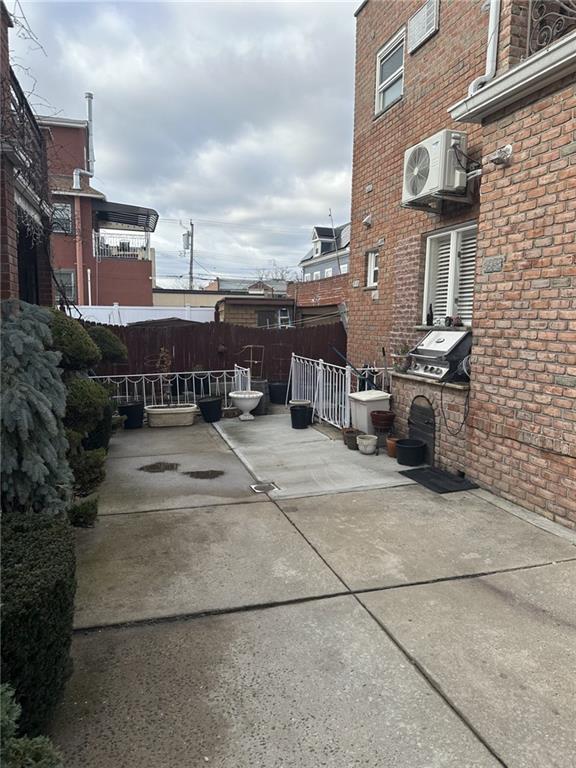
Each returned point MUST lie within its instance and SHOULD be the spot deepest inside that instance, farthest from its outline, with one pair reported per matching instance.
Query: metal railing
(121, 246)
(549, 20)
(179, 388)
(328, 386)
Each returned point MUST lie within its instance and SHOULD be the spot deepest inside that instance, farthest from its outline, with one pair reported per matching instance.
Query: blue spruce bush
(35, 472)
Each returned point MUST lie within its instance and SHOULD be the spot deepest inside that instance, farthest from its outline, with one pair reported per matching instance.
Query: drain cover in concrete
(264, 487)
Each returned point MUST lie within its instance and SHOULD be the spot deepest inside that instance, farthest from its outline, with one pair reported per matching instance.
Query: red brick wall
(448, 403)
(435, 76)
(521, 432)
(317, 293)
(523, 405)
(8, 232)
(66, 149)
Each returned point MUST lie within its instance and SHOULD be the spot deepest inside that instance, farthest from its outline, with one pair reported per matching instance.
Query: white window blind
(441, 282)
(466, 275)
(451, 274)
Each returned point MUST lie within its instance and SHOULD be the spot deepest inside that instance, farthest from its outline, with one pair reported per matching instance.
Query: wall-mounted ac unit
(435, 168)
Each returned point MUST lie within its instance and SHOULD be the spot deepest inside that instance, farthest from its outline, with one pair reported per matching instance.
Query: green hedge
(88, 470)
(85, 404)
(83, 513)
(99, 437)
(70, 338)
(38, 586)
(112, 349)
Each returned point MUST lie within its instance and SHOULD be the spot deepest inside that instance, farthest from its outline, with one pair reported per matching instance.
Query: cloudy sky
(235, 115)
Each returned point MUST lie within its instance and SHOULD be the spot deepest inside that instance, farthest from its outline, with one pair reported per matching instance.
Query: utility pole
(191, 243)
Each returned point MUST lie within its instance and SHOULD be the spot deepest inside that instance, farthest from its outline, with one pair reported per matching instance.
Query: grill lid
(439, 343)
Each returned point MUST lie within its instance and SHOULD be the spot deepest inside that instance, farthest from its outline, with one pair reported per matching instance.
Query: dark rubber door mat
(438, 480)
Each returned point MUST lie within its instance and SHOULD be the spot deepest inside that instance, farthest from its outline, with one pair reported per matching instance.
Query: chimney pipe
(78, 172)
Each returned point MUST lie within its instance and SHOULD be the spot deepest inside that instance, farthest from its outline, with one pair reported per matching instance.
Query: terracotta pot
(391, 446)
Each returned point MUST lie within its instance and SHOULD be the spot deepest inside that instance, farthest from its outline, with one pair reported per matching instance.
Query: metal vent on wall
(422, 25)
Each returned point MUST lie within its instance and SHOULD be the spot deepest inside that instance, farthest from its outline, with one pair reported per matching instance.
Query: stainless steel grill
(438, 355)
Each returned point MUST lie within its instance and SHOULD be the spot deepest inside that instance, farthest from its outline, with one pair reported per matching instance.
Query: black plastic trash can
(300, 416)
(210, 408)
(410, 453)
(134, 412)
(278, 392)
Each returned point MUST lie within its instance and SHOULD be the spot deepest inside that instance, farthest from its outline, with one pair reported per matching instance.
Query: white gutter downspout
(90, 171)
(491, 49)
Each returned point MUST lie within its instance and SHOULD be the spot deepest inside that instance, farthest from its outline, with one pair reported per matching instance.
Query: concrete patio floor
(387, 628)
(305, 462)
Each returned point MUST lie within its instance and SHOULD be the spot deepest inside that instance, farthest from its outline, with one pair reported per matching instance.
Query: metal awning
(127, 217)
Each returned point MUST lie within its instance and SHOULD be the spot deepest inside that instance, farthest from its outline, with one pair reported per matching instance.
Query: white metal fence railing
(177, 388)
(328, 386)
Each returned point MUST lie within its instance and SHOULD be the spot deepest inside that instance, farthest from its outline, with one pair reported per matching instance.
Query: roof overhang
(127, 217)
(534, 73)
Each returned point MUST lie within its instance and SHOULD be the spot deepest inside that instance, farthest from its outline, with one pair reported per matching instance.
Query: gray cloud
(235, 112)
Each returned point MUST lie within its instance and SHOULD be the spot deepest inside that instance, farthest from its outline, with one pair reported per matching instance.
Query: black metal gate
(422, 425)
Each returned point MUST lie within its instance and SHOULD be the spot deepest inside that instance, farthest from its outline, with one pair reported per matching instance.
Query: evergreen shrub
(85, 404)
(88, 469)
(112, 349)
(83, 513)
(99, 437)
(38, 586)
(70, 338)
(22, 752)
(35, 472)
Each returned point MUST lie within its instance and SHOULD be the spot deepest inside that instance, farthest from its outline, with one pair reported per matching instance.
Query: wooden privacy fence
(220, 346)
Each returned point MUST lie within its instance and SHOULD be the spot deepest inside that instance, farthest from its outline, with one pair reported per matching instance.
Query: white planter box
(171, 415)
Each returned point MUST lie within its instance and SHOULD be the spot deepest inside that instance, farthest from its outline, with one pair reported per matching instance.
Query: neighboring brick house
(24, 191)
(329, 255)
(503, 258)
(101, 250)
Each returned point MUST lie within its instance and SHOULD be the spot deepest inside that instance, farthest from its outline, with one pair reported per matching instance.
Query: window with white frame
(389, 73)
(316, 276)
(344, 268)
(450, 274)
(67, 282)
(62, 218)
(371, 269)
(307, 277)
(328, 272)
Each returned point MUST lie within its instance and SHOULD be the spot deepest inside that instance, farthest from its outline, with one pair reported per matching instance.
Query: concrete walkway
(389, 628)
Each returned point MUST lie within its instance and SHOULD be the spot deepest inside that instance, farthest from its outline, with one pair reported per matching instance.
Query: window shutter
(422, 25)
(466, 276)
(441, 278)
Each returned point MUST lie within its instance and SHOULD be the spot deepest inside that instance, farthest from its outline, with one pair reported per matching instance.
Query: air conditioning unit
(435, 168)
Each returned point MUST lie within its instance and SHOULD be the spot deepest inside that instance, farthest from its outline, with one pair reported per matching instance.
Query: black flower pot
(210, 408)
(134, 412)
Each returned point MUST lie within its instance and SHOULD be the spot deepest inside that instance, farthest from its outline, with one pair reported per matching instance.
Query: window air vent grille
(422, 25)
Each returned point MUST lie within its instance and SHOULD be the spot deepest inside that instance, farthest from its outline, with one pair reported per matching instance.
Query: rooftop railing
(121, 246)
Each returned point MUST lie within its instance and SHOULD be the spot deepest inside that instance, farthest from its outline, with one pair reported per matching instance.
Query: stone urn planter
(246, 402)
(171, 415)
(367, 444)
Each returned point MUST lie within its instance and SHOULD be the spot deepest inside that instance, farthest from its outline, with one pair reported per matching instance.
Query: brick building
(101, 250)
(24, 192)
(320, 301)
(255, 311)
(501, 257)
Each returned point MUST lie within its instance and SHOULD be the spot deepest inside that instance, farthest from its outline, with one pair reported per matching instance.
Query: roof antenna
(335, 242)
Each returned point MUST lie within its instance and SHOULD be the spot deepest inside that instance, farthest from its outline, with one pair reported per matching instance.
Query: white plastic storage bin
(363, 403)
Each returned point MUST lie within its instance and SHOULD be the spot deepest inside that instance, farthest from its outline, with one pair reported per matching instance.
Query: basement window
(450, 274)
(389, 73)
